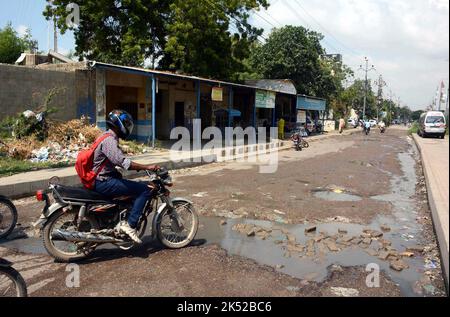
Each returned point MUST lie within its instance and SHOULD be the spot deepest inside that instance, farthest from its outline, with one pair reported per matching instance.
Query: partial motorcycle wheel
(65, 251)
(12, 283)
(8, 217)
(305, 144)
(172, 234)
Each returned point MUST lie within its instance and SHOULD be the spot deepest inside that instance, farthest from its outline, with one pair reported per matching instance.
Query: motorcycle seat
(80, 194)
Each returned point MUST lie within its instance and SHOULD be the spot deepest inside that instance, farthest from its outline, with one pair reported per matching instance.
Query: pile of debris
(62, 143)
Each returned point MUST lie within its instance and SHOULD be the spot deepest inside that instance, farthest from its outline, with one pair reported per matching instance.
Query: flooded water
(333, 196)
(405, 232)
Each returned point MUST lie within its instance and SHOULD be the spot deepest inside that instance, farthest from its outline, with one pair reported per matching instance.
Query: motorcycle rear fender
(161, 209)
(47, 213)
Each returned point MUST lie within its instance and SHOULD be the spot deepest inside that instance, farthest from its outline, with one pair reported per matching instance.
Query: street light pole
(366, 70)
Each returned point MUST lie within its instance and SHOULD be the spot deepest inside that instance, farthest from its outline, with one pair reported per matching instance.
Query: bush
(414, 129)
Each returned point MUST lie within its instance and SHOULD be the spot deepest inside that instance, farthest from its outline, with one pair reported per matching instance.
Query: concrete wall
(23, 88)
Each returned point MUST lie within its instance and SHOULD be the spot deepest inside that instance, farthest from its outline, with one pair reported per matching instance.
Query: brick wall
(23, 88)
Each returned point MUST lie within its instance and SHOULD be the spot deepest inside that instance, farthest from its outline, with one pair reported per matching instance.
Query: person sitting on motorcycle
(110, 182)
(382, 125)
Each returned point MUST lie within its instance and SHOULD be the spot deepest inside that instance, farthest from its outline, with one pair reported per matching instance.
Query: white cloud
(21, 30)
(407, 40)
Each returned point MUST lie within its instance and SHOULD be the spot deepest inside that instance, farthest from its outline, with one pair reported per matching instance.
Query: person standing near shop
(281, 125)
(341, 125)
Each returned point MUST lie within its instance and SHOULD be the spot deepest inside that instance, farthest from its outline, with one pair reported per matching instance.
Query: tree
(200, 41)
(415, 116)
(11, 45)
(292, 53)
(122, 32)
(186, 35)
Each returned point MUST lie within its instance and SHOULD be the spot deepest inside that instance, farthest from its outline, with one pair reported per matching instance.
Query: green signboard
(265, 99)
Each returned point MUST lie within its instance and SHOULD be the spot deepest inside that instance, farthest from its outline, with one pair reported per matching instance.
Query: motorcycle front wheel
(173, 234)
(12, 283)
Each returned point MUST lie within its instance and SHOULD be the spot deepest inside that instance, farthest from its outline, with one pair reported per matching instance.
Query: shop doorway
(179, 114)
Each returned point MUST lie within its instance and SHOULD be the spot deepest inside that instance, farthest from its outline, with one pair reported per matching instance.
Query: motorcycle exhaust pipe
(70, 236)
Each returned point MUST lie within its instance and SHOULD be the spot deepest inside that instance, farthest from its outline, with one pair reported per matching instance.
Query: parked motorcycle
(12, 283)
(81, 220)
(8, 217)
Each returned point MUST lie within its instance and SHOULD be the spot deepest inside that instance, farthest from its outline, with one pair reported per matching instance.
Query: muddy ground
(349, 188)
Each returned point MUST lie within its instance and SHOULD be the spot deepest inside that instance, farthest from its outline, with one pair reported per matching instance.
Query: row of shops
(160, 101)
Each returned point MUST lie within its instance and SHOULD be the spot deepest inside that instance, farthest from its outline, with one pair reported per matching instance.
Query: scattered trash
(431, 265)
(279, 267)
(200, 195)
(344, 292)
(223, 222)
(293, 288)
(385, 228)
(279, 212)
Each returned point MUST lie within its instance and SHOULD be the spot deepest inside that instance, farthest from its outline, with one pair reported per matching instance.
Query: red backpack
(85, 164)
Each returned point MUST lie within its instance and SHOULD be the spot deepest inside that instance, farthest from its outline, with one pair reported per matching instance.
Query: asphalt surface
(343, 186)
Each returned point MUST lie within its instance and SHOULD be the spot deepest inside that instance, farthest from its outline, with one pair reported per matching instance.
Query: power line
(353, 52)
(288, 5)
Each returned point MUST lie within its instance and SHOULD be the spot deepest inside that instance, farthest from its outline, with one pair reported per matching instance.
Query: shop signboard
(301, 116)
(265, 99)
(217, 94)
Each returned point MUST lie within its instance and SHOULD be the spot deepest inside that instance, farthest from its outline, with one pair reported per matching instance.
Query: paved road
(365, 197)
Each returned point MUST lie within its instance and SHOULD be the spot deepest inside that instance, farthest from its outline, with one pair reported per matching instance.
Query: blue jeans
(114, 188)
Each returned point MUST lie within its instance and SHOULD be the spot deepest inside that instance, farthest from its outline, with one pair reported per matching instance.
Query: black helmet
(122, 121)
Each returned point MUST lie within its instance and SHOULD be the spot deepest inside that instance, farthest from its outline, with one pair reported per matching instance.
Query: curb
(437, 221)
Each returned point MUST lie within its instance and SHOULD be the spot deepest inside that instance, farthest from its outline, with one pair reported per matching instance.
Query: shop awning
(230, 112)
(311, 103)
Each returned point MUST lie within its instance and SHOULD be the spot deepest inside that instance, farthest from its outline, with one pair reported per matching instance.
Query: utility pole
(366, 70)
(446, 102)
(55, 35)
(381, 83)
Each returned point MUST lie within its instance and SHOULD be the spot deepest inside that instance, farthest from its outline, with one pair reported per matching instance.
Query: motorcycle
(382, 130)
(12, 283)
(366, 130)
(80, 220)
(8, 217)
(299, 142)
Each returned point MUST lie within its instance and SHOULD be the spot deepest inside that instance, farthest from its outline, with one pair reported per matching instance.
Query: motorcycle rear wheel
(55, 249)
(12, 283)
(174, 238)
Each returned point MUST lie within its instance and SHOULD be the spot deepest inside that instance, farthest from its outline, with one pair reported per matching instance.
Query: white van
(432, 123)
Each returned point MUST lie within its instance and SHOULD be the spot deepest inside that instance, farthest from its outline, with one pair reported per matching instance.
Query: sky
(406, 40)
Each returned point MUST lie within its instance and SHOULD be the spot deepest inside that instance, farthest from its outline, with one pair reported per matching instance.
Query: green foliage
(28, 126)
(11, 45)
(415, 116)
(185, 35)
(414, 129)
(291, 53)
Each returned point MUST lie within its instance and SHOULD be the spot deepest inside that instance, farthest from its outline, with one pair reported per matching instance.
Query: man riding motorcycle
(109, 181)
(382, 126)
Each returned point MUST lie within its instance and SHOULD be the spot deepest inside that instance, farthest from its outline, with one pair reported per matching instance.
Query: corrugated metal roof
(170, 74)
(285, 86)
